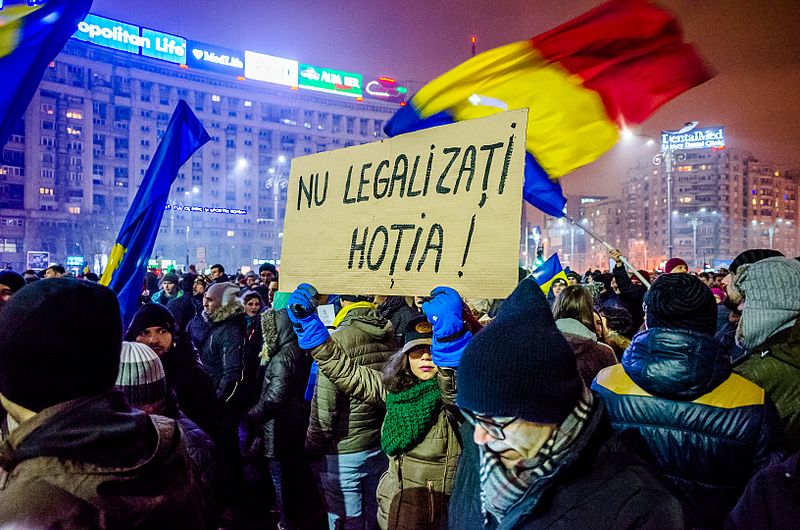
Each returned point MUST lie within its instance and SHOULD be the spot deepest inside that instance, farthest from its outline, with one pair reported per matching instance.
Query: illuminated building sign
(75, 261)
(109, 33)
(214, 58)
(262, 67)
(385, 89)
(163, 46)
(690, 137)
(331, 81)
(204, 209)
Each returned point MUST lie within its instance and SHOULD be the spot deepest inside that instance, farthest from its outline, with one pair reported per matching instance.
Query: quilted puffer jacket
(709, 430)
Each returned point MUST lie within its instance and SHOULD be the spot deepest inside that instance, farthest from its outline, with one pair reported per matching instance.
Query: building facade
(73, 165)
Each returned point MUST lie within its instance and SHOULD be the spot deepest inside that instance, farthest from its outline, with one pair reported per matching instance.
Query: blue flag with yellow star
(128, 260)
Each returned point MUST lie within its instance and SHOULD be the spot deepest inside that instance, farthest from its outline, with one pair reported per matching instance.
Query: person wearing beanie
(344, 432)
(419, 431)
(574, 278)
(769, 333)
(630, 294)
(169, 289)
(675, 266)
(154, 326)
(142, 380)
(185, 307)
(538, 448)
(726, 333)
(10, 283)
(78, 455)
(708, 429)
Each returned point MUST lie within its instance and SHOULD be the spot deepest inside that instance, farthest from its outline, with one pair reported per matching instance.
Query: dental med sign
(690, 137)
(109, 33)
(216, 59)
(330, 81)
(400, 216)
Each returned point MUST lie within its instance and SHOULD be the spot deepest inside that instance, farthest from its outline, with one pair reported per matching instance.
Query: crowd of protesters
(226, 403)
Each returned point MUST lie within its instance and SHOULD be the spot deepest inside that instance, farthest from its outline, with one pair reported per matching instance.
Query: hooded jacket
(95, 463)
(590, 355)
(222, 351)
(709, 430)
(339, 423)
(281, 409)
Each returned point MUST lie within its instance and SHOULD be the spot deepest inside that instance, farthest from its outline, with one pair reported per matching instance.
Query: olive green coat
(414, 492)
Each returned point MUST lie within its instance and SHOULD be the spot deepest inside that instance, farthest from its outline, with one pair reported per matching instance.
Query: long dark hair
(397, 375)
(575, 302)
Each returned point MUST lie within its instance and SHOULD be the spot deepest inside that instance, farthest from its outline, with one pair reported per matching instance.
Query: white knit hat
(141, 376)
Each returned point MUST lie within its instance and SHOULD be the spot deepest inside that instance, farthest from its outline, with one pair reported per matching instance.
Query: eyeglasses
(493, 426)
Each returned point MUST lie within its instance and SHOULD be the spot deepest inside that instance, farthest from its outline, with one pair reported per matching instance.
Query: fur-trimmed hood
(224, 313)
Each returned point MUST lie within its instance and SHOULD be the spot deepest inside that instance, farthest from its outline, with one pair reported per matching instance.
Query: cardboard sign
(401, 216)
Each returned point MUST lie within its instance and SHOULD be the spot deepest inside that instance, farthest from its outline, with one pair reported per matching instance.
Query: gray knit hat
(141, 376)
(771, 290)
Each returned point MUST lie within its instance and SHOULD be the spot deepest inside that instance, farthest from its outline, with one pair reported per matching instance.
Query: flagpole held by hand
(609, 247)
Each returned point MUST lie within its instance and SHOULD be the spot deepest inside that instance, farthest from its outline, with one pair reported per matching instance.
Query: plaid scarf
(502, 488)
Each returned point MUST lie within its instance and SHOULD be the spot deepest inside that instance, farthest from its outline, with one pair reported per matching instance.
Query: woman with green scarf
(419, 432)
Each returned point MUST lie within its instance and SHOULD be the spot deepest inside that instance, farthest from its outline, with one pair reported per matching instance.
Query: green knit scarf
(410, 414)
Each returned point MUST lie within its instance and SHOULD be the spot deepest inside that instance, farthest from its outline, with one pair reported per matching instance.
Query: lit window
(231, 233)
(74, 209)
(75, 131)
(75, 114)
(215, 98)
(248, 103)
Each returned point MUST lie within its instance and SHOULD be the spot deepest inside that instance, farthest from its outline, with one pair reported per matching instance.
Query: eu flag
(128, 260)
(30, 37)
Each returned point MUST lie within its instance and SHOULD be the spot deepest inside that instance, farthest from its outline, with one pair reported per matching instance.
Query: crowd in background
(226, 403)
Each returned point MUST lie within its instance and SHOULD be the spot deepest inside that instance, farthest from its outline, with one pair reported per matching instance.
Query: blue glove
(450, 335)
(310, 330)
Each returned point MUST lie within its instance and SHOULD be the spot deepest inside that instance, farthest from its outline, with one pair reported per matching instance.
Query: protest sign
(400, 216)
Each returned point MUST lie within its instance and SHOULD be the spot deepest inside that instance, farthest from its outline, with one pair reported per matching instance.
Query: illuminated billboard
(690, 137)
(214, 58)
(385, 89)
(270, 69)
(164, 46)
(109, 33)
(330, 81)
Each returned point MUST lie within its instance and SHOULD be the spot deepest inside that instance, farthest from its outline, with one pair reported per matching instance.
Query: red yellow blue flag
(582, 82)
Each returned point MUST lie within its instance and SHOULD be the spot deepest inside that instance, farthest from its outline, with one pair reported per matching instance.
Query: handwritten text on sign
(400, 216)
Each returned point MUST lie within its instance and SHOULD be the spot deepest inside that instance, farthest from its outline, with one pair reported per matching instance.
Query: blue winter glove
(450, 334)
(310, 330)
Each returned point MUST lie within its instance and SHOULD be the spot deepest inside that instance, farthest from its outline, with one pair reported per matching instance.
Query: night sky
(753, 45)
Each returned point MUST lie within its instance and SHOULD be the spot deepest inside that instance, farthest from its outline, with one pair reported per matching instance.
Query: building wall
(70, 172)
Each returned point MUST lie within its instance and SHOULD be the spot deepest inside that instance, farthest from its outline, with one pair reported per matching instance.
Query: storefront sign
(385, 89)
(331, 81)
(270, 69)
(204, 209)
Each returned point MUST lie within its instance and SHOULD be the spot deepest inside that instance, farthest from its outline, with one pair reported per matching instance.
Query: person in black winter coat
(709, 430)
(154, 326)
(281, 414)
(397, 311)
(185, 307)
(541, 452)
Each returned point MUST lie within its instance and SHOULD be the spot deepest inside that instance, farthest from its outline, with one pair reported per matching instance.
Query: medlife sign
(690, 137)
(109, 33)
(400, 216)
(214, 58)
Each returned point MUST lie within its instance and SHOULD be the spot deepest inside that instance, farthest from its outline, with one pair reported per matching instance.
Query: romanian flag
(128, 260)
(30, 37)
(582, 82)
(549, 271)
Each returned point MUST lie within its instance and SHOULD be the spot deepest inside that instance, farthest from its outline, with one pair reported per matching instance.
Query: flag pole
(609, 247)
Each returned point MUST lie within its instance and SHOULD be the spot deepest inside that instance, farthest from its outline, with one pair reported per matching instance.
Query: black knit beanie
(60, 340)
(12, 279)
(751, 256)
(150, 316)
(681, 301)
(520, 365)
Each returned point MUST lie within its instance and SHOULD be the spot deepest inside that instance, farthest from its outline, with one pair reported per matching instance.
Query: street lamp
(276, 182)
(668, 159)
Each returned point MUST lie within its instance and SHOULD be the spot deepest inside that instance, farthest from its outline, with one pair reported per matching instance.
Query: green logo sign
(331, 81)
